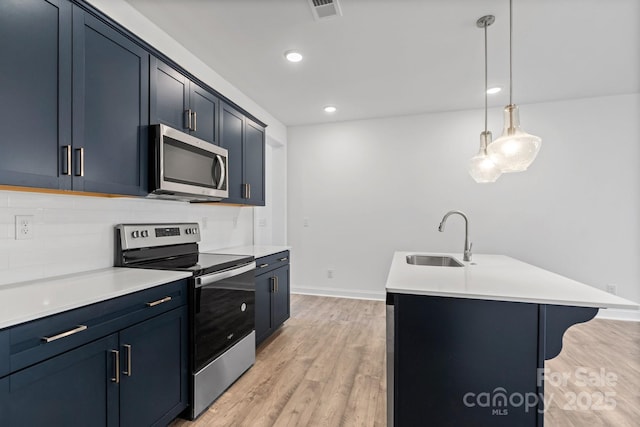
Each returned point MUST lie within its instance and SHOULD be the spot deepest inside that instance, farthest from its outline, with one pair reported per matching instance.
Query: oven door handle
(208, 279)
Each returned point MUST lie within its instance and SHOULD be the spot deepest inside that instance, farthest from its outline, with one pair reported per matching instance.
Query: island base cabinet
(462, 362)
(75, 388)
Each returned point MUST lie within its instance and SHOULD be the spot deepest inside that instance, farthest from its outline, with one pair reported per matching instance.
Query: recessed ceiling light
(494, 90)
(330, 109)
(293, 56)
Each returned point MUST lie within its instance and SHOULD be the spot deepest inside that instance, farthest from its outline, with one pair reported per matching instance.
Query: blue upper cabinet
(182, 104)
(35, 89)
(59, 63)
(110, 109)
(254, 161)
(245, 141)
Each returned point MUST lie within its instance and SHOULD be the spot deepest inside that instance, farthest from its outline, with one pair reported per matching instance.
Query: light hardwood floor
(326, 367)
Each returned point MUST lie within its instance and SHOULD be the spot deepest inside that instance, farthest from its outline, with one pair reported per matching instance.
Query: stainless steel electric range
(221, 301)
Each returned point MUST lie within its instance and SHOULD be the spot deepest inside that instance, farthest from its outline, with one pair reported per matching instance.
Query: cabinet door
(169, 96)
(35, 89)
(77, 388)
(231, 138)
(254, 153)
(4, 400)
(280, 306)
(110, 109)
(154, 370)
(263, 307)
(205, 109)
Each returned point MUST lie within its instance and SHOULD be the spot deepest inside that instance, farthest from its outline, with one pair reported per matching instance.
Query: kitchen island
(466, 345)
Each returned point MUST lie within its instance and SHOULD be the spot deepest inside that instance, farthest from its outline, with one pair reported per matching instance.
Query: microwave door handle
(223, 172)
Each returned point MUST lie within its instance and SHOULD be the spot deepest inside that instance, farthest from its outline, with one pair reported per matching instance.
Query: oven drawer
(34, 341)
(271, 262)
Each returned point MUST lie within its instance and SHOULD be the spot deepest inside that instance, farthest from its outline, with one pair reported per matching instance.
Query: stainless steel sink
(433, 260)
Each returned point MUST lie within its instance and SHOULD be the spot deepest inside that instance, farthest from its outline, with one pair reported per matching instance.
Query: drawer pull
(160, 301)
(75, 330)
(263, 265)
(283, 259)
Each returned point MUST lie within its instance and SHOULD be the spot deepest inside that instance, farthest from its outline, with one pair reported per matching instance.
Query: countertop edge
(156, 278)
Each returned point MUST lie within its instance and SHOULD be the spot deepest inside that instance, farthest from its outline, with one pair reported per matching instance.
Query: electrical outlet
(262, 222)
(24, 227)
(612, 288)
(204, 222)
(330, 273)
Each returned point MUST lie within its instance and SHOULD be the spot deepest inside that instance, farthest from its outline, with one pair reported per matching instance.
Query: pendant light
(515, 150)
(481, 168)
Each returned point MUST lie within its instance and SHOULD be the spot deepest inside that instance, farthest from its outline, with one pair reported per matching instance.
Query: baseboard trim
(619, 314)
(339, 293)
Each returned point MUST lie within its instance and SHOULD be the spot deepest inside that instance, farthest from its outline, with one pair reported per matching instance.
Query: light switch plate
(24, 227)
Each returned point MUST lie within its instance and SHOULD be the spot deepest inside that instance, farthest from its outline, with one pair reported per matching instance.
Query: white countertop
(496, 277)
(255, 251)
(22, 302)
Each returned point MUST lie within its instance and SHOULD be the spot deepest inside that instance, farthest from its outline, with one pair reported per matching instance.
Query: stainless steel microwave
(182, 167)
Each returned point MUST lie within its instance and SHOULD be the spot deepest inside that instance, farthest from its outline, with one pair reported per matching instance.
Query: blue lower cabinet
(127, 367)
(272, 294)
(77, 388)
(153, 387)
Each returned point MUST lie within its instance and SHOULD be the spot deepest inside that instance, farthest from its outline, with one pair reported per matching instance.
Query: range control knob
(135, 234)
(194, 231)
(144, 233)
(187, 231)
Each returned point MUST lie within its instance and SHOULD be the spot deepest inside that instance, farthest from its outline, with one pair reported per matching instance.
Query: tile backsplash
(75, 233)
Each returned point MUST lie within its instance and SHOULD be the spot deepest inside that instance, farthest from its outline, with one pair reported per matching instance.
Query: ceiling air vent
(323, 9)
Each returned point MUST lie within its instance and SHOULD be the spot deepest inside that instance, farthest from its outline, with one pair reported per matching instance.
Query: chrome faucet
(467, 243)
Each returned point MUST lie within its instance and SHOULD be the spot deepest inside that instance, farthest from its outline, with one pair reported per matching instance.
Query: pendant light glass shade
(481, 167)
(515, 150)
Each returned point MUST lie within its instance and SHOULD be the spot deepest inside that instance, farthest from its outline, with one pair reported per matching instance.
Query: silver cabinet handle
(67, 166)
(277, 284)
(187, 118)
(223, 172)
(273, 284)
(127, 370)
(195, 121)
(263, 266)
(249, 191)
(245, 191)
(75, 330)
(158, 302)
(283, 259)
(116, 362)
(80, 170)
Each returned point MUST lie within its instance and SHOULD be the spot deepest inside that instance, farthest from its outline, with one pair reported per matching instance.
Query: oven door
(222, 307)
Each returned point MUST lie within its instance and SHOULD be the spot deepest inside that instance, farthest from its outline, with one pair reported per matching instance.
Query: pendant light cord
(486, 84)
(510, 52)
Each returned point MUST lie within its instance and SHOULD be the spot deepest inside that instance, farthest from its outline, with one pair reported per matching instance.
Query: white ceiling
(397, 57)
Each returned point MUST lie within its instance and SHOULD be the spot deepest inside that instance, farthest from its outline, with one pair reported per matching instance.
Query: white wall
(76, 233)
(371, 187)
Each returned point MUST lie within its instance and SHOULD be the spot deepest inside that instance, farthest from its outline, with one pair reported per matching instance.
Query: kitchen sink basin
(433, 260)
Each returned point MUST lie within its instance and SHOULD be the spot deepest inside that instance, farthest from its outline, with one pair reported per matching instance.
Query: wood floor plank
(326, 366)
